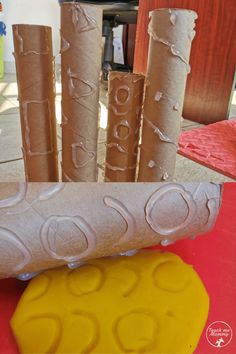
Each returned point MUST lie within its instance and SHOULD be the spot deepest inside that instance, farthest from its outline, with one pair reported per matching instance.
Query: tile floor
(11, 162)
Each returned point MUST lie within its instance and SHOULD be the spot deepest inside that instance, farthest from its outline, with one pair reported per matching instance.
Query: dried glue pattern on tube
(35, 79)
(125, 97)
(46, 225)
(171, 32)
(81, 44)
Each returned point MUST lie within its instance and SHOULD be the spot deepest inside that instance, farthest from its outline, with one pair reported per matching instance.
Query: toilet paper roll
(36, 94)
(81, 44)
(171, 32)
(125, 98)
(47, 225)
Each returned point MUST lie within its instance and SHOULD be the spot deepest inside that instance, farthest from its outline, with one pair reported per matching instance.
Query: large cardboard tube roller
(36, 92)
(125, 98)
(171, 32)
(47, 225)
(81, 45)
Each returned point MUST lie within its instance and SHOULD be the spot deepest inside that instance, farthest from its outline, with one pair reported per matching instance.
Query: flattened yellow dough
(149, 303)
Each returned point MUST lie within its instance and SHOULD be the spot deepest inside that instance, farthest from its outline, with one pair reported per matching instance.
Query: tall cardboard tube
(46, 225)
(81, 44)
(36, 92)
(125, 97)
(171, 32)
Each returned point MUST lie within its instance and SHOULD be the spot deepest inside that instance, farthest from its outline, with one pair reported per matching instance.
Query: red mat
(213, 146)
(213, 257)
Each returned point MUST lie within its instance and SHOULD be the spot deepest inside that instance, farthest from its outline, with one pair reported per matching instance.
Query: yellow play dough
(149, 303)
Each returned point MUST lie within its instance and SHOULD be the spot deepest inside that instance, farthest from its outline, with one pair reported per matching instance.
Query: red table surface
(213, 257)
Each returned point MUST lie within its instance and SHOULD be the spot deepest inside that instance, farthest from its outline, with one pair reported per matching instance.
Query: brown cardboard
(35, 78)
(81, 43)
(46, 225)
(171, 32)
(125, 97)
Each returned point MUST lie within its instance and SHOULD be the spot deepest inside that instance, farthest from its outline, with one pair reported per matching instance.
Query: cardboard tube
(81, 44)
(47, 225)
(124, 118)
(36, 92)
(171, 32)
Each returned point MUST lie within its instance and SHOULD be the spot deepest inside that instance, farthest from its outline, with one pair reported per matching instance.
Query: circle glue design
(172, 276)
(125, 124)
(81, 224)
(116, 97)
(156, 196)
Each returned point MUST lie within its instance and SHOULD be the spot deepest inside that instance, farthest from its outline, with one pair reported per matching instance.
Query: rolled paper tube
(171, 32)
(47, 225)
(124, 118)
(81, 44)
(36, 92)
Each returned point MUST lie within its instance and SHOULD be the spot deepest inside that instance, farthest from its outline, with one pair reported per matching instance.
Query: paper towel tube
(36, 93)
(171, 32)
(125, 98)
(81, 44)
(47, 225)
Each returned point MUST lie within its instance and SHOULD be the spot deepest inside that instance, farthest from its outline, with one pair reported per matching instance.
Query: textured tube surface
(81, 43)
(36, 93)
(171, 32)
(46, 225)
(125, 97)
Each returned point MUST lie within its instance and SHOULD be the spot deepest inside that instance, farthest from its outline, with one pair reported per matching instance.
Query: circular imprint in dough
(171, 276)
(122, 95)
(84, 328)
(43, 284)
(136, 331)
(47, 326)
(153, 203)
(86, 279)
(122, 130)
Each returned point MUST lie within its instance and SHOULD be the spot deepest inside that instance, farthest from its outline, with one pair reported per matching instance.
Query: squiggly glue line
(157, 131)
(77, 10)
(117, 146)
(16, 199)
(172, 47)
(69, 179)
(162, 96)
(127, 216)
(211, 206)
(121, 169)
(115, 111)
(44, 195)
(21, 41)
